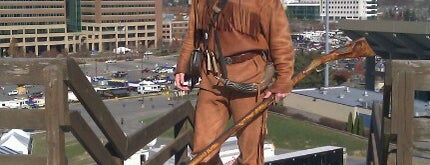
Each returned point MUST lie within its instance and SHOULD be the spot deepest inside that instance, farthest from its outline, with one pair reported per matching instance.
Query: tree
(361, 126)
(315, 78)
(14, 50)
(356, 123)
(349, 124)
(341, 76)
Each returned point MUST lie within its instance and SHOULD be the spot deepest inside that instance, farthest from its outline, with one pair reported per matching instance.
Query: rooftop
(356, 98)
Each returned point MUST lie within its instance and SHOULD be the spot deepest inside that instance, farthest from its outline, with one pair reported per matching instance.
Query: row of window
(342, 12)
(88, 13)
(91, 28)
(32, 7)
(33, 15)
(125, 6)
(135, 20)
(29, 0)
(341, 7)
(32, 31)
(341, 2)
(130, 13)
(126, 0)
(31, 23)
(92, 6)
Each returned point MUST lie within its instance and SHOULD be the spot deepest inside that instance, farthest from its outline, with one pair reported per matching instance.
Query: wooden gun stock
(357, 48)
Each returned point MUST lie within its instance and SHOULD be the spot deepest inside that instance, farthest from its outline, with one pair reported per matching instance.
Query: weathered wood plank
(55, 104)
(179, 143)
(416, 66)
(421, 127)
(375, 149)
(145, 135)
(98, 111)
(396, 101)
(26, 70)
(408, 112)
(422, 81)
(89, 140)
(23, 160)
(22, 119)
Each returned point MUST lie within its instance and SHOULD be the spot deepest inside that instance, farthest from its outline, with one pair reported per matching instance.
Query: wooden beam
(408, 109)
(55, 107)
(168, 151)
(22, 119)
(89, 140)
(145, 135)
(23, 160)
(98, 111)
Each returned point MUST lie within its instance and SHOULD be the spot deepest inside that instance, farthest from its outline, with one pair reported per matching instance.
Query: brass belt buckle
(228, 60)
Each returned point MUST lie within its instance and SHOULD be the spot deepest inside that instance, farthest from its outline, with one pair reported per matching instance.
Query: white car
(14, 92)
(110, 61)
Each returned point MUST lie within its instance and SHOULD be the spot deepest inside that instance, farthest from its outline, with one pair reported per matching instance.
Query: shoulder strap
(217, 8)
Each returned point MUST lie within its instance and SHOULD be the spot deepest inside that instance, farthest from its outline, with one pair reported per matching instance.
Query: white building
(349, 9)
(17, 140)
(338, 9)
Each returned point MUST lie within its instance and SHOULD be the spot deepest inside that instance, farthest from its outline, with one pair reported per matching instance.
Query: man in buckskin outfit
(251, 33)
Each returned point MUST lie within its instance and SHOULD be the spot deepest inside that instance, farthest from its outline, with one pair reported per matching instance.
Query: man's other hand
(278, 96)
(179, 82)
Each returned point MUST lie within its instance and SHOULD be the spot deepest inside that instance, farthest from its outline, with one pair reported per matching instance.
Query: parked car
(146, 70)
(110, 61)
(129, 59)
(35, 95)
(119, 74)
(13, 92)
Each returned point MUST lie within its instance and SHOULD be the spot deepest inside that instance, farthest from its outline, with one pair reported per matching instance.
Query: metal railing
(59, 74)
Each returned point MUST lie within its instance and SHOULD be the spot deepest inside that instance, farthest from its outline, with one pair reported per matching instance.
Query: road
(133, 68)
(129, 113)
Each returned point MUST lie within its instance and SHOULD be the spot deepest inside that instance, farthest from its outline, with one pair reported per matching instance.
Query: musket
(355, 49)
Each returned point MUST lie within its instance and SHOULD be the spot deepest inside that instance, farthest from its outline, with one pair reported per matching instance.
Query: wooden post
(56, 105)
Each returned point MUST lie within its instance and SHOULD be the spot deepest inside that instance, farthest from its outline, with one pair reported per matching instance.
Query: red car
(146, 70)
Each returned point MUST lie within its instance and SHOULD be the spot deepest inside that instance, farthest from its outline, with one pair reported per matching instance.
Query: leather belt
(241, 57)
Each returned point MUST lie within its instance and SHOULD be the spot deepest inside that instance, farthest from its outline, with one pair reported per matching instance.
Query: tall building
(38, 26)
(338, 9)
(33, 26)
(349, 9)
(108, 24)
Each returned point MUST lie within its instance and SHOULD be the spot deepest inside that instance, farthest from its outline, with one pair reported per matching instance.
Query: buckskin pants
(212, 114)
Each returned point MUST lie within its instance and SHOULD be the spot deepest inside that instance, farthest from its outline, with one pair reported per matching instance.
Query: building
(38, 26)
(17, 141)
(108, 24)
(349, 9)
(338, 9)
(34, 26)
(175, 28)
(303, 11)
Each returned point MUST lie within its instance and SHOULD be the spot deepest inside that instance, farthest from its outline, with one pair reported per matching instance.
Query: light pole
(327, 49)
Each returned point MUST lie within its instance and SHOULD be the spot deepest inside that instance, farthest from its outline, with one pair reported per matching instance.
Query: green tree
(349, 124)
(314, 79)
(361, 126)
(356, 123)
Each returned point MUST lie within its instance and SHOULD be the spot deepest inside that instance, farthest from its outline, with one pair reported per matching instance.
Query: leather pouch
(195, 67)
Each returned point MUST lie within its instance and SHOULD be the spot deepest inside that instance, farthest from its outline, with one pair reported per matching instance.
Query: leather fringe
(232, 17)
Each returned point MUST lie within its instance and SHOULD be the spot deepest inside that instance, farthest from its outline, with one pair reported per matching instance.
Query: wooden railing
(394, 122)
(59, 74)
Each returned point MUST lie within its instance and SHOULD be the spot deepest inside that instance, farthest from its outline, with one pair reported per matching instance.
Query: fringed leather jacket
(244, 25)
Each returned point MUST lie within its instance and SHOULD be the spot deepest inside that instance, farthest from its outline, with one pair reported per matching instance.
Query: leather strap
(241, 57)
(217, 8)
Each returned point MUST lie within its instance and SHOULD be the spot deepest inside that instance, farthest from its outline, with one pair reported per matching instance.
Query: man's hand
(278, 96)
(179, 82)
